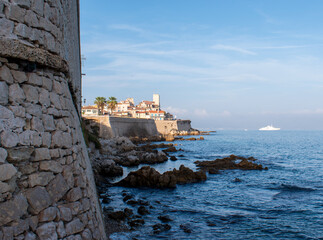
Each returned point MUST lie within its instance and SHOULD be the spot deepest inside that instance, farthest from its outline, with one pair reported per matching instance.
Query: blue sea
(284, 202)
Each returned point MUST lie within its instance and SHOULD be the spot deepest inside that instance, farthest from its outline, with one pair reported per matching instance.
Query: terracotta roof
(149, 102)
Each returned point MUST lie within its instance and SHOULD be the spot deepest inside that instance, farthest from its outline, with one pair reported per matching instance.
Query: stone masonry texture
(42, 151)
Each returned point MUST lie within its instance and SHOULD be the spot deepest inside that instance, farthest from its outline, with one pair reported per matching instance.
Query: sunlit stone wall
(47, 188)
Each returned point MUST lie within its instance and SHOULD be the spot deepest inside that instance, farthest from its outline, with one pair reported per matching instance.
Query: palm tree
(112, 103)
(100, 102)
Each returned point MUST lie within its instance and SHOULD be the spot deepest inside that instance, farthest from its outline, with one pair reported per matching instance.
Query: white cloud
(233, 49)
(126, 27)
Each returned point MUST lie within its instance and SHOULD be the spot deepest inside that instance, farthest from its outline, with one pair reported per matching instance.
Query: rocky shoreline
(116, 153)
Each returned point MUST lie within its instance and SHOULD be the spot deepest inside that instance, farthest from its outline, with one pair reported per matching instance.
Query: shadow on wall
(109, 127)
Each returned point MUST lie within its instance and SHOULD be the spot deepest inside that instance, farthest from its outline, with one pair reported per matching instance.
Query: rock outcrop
(231, 162)
(149, 177)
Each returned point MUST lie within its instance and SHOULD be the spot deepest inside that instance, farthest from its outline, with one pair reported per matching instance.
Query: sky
(224, 64)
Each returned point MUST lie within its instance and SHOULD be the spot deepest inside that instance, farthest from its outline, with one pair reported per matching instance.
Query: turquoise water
(285, 202)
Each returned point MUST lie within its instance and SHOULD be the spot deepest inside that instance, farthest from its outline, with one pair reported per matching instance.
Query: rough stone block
(40, 179)
(5, 113)
(47, 215)
(86, 204)
(23, 3)
(13, 209)
(16, 13)
(38, 7)
(20, 226)
(61, 139)
(87, 235)
(19, 76)
(4, 187)
(9, 139)
(3, 155)
(74, 194)
(57, 188)
(76, 207)
(53, 166)
(47, 139)
(61, 229)
(44, 97)
(41, 154)
(5, 74)
(47, 231)
(33, 223)
(6, 26)
(30, 236)
(16, 94)
(23, 31)
(31, 19)
(54, 98)
(73, 227)
(48, 84)
(19, 154)
(7, 171)
(34, 109)
(7, 233)
(54, 153)
(38, 199)
(18, 111)
(37, 124)
(36, 139)
(66, 213)
(48, 122)
(4, 93)
(31, 93)
(35, 79)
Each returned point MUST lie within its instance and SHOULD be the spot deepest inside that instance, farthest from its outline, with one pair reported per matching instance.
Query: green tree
(112, 103)
(100, 102)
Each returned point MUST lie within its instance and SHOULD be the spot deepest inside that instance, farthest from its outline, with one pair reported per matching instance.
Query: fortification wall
(171, 126)
(129, 127)
(47, 188)
(132, 127)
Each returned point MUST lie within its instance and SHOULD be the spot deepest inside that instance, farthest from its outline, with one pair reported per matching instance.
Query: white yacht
(269, 128)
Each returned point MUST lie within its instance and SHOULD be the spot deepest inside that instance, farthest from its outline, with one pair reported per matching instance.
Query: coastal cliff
(47, 188)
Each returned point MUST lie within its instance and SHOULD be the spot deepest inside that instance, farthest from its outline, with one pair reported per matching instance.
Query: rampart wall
(134, 127)
(47, 189)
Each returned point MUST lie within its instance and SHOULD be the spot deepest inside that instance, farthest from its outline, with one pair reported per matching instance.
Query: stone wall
(173, 126)
(133, 127)
(128, 127)
(47, 188)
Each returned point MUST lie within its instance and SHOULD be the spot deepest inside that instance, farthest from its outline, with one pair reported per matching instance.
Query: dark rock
(128, 212)
(181, 155)
(132, 202)
(158, 228)
(186, 228)
(173, 158)
(149, 177)
(127, 197)
(229, 163)
(158, 202)
(118, 215)
(136, 223)
(190, 139)
(213, 171)
(142, 210)
(237, 180)
(165, 218)
(170, 149)
(143, 202)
